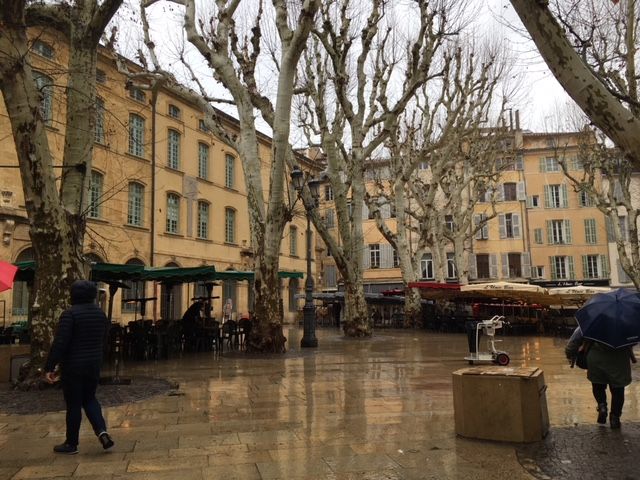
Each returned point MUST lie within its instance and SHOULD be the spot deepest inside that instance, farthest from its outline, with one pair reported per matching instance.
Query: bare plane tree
(362, 72)
(56, 217)
(443, 161)
(233, 55)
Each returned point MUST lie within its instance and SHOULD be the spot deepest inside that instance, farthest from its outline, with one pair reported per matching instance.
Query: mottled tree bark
(600, 104)
(56, 218)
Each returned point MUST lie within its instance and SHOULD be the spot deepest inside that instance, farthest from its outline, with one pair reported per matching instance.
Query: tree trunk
(599, 104)
(52, 231)
(357, 323)
(266, 334)
(412, 308)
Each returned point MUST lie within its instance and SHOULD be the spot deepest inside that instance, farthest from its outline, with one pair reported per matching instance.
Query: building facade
(544, 231)
(164, 191)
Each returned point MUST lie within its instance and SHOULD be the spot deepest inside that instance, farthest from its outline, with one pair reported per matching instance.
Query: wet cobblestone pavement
(50, 399)
(367, 409)
(584, 452)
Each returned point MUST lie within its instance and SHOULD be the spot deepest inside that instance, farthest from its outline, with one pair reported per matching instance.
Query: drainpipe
(152, 246)
(152, 230)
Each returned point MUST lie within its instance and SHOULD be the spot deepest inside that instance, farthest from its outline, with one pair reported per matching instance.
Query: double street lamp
(299, 180)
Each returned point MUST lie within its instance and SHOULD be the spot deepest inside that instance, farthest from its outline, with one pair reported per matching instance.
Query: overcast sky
(541, 97)
(543, 94)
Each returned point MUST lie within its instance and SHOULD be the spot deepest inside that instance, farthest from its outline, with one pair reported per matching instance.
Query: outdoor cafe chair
(230, 333)
(210, 335)
(244, 328)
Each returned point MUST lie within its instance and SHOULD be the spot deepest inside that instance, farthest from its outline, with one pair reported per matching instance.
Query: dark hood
(83, 291)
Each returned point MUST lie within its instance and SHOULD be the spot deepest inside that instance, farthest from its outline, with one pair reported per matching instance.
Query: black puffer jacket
(81, 333)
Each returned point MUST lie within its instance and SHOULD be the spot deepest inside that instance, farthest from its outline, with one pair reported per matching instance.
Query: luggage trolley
(489, 328)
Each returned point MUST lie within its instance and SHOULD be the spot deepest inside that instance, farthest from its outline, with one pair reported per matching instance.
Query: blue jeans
(79, 389)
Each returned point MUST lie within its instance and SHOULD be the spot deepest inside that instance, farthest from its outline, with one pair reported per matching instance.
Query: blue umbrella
(612, 318)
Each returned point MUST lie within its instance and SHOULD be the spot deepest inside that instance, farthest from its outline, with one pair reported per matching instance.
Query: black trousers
(617, 397)
(79, 388)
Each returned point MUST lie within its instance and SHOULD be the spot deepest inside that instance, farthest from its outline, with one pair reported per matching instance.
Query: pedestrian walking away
(606, 366)
(75, 358)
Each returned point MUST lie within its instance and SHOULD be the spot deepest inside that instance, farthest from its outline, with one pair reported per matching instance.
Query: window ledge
(136, 157)
(136, 227)
(204, 180)
(174, 170)
(203, 240)
(171, 234)
(97, 220)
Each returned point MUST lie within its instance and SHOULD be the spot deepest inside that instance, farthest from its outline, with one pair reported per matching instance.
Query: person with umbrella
(608, 328)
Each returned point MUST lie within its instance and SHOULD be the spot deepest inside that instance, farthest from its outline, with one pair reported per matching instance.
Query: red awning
(435, 285)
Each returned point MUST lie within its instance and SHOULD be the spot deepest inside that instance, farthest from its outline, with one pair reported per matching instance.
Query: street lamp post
(309, 311)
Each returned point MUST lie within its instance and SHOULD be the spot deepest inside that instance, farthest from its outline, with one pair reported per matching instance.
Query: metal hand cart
(489, 327)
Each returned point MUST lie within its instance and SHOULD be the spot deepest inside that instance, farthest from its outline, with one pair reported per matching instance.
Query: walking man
(77, 349)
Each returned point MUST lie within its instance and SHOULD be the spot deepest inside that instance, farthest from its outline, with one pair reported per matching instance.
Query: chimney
(517, 119)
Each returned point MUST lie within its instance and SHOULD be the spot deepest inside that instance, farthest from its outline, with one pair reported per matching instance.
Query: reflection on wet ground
(351, 409)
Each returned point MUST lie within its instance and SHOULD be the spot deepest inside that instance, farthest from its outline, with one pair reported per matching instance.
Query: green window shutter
(537, 234)
(585, 267)
(502, 229)
(476, 224)
(547, 196)
(572, 271)
(549, 232)
(515, 222)
(564, 203)
(542, 165)
(604, 262)
(567, 231)
(587, 230)
(552, 269)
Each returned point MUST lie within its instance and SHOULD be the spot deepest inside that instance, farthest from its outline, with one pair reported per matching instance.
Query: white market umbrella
(518, 291)
(576, 295)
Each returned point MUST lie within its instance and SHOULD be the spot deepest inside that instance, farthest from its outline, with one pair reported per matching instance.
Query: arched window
(99, 132)
(171, 299)
(294, 287)
(173, 149)
(203, 161)
(173, 213)
(135, 208)
(203, 220)
(230, 292)
(136, 290)
(229, 171)
(20, 291)
(44, 84)
(136, 135)
(229, 225)
(95, 194)
(43, 48)
(293, 241)
(174, 111)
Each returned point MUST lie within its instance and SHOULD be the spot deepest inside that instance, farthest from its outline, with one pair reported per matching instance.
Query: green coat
(609, 366)
(605, 365)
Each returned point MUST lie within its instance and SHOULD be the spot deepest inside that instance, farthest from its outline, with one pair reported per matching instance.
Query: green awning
(115, 272)
(179, 274)
(249, 275)
(285, 274)
(235, 275)
(26, 271)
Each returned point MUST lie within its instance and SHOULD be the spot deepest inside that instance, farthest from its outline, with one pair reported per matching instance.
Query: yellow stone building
(544, 232)
(163, 191)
